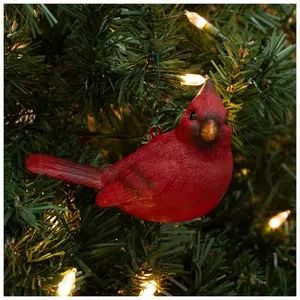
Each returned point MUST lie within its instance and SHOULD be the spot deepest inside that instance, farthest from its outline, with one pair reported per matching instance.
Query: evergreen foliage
(86, 82)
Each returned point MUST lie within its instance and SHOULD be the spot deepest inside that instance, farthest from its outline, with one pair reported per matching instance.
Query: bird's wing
(139, 177)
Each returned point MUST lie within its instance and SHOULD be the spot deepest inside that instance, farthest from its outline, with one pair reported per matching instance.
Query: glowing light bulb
(204, 25)
(195, 19)
(67, 284)
(279, 219)
(149, 288)
(245, 171)
(192, 79)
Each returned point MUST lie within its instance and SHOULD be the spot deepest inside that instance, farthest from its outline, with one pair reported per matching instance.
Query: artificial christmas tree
(87, 82)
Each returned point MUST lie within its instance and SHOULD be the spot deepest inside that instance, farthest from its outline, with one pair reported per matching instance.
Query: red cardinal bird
(178, 176)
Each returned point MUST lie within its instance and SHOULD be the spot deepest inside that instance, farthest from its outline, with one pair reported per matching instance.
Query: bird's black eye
(193, 115)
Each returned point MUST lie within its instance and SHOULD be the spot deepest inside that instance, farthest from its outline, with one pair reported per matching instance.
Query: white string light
(149, 288)
(195, 19)
(276, 221)
(66, 286)
(192, 79)
(203, 24)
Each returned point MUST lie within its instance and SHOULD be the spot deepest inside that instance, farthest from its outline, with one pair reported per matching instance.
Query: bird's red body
(178, 176)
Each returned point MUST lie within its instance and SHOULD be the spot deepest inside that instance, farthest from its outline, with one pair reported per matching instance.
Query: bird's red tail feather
(65, 170)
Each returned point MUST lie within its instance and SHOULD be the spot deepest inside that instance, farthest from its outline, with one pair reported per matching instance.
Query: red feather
(64, 169)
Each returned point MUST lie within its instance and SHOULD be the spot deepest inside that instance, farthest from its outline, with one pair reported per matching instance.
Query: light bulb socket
(213, 31)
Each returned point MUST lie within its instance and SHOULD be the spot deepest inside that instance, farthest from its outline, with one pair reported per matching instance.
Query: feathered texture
(177, 176)
(64, 169)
